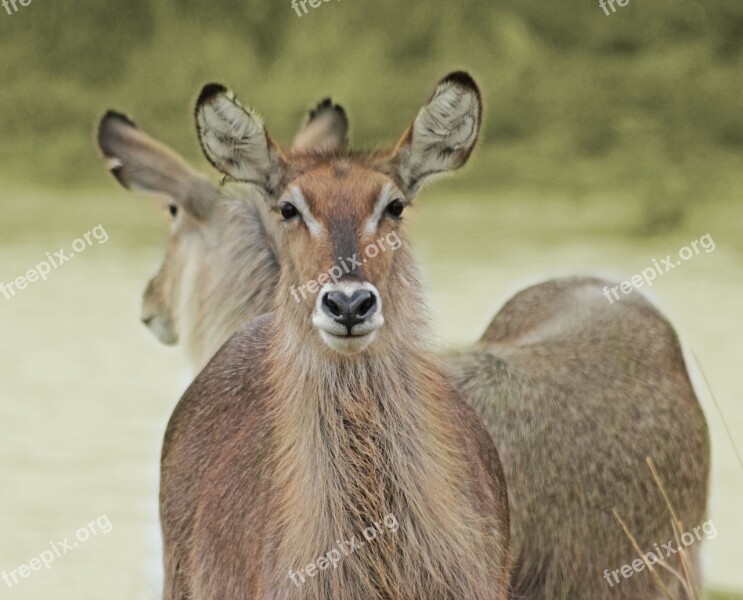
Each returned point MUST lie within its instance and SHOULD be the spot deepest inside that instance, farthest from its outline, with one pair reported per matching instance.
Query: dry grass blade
(658, 581)
(688, 580)
(662, 489)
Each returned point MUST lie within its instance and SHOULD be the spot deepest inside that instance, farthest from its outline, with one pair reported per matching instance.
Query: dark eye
(395, 208)
(173, 209)
(288, 211)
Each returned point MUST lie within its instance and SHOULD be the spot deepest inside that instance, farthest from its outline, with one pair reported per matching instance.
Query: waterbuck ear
(443, 134)
(234, 139)
(326, 129)
(141, 163)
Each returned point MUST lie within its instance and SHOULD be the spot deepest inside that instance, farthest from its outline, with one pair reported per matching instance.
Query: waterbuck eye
(288, 211)
(395, 208)
(173, 209)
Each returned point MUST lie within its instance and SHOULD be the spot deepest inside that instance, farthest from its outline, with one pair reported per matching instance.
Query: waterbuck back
(578, 393)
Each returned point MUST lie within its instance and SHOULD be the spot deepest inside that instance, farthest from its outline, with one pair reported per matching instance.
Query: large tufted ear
(443, 134)
(235, 141)
(141, 163)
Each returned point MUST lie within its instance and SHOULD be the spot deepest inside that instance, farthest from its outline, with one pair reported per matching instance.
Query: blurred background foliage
(641, 106)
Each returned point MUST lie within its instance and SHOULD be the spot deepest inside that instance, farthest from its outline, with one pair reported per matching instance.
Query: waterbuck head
(345, 269)
(143, 164)
(220, 266)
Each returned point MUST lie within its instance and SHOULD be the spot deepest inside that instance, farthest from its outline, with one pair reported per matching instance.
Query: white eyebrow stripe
(382, 202)
(301, 204)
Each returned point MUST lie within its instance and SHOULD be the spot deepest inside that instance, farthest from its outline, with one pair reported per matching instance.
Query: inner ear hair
(444, 132)
(234, 139)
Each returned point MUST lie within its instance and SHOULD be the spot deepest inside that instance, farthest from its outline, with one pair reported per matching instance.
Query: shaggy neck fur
(237, 274)
(361, 437)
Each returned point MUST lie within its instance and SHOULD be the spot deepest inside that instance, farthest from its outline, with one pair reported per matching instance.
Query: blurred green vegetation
(723, 596)
(642, 106)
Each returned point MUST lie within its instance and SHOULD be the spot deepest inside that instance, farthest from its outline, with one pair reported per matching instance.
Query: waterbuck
(576, 393)
(221, 266)
(317, 420)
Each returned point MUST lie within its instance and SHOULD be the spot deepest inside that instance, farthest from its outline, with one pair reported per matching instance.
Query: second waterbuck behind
(325, 416)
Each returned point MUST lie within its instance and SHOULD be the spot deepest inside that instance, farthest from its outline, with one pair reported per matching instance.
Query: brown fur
(574, 434)
(282, 445)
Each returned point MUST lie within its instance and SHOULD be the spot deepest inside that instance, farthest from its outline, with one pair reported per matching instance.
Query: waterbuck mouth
(162, 328)
(348, 315)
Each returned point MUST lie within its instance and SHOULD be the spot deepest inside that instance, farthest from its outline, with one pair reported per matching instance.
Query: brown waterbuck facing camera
(324, 416)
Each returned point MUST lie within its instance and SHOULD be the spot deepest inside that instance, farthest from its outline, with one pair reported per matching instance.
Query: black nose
(349, 310)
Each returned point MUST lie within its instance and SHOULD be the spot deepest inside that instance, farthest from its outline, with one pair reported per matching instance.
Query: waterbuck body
(575, 391)
(325, 416)
(578, 393)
